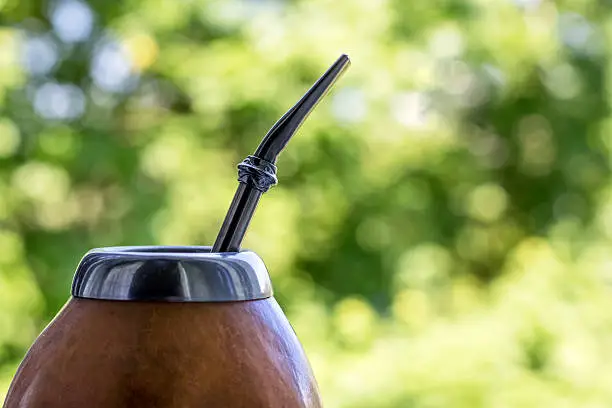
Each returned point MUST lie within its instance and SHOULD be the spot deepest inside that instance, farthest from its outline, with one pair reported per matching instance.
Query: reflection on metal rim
(171, 274)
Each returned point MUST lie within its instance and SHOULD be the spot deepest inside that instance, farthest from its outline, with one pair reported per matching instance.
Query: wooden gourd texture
(111, 354)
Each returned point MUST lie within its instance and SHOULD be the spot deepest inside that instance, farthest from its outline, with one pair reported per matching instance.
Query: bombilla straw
(257, 173)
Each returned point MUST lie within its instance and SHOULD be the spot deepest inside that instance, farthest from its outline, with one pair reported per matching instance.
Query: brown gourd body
(107, 354)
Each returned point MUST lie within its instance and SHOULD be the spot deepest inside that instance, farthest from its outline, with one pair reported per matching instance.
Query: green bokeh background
(441, 232)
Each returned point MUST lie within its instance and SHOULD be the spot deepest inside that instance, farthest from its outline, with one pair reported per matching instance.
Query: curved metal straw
(257, 173)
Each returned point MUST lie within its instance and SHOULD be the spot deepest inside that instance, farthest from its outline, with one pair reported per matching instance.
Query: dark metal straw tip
(345, 57)
(278, 136)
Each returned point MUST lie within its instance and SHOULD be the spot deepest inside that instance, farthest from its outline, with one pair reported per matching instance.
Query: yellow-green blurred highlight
(440, 236)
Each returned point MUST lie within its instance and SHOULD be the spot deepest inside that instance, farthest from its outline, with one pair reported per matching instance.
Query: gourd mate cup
(178, 327)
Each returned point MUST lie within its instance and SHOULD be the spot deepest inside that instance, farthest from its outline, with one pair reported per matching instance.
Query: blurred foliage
(440, 235)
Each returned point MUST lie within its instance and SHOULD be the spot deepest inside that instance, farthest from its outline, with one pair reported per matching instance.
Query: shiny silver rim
(171, 274)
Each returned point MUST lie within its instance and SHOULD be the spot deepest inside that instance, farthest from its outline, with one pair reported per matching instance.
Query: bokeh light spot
(349, 105)
(39, 55)
(59, 101)
(60, 142)
(412, 307)
(410, 109)
(446, 42)
(355, 320)
(111, 67)
(72, 20)
(42, 182)
(423, 267)
(142, 49)
(487, 202)
(580, 35)
(9, 138)
(373, 233)
(563, 81)
(11, 247)
(538, 150)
